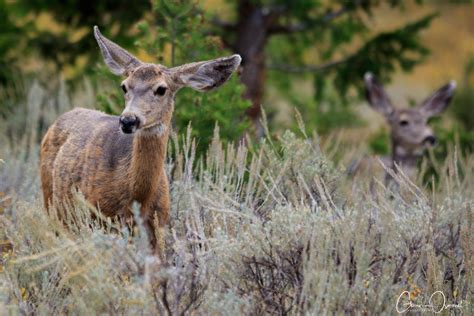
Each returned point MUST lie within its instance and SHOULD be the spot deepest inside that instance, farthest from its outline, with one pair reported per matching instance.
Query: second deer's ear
(118, 59)
(439, 101)
(376, 95)
(206, 75)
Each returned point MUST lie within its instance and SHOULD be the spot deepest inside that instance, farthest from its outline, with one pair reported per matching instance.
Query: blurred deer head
(410, 133)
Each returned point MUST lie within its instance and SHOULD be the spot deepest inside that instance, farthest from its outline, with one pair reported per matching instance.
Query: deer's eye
(160, 91)
(124, 88)
(404, 123)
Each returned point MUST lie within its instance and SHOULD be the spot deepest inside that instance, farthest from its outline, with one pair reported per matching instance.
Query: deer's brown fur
(87, 151)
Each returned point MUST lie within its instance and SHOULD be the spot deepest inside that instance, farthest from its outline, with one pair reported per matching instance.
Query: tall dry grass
(274, 227)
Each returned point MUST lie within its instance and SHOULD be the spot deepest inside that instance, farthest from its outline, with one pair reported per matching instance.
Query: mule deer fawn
(114, 161)
(409, 131)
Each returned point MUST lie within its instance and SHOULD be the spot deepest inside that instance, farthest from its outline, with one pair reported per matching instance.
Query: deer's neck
(147, 162)
(405, 158)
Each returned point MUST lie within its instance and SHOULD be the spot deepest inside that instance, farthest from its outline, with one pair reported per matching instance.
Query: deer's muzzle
(129, 123)
(429, 140)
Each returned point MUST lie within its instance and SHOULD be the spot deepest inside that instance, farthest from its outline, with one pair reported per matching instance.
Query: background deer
(409, 131)
(113, 160)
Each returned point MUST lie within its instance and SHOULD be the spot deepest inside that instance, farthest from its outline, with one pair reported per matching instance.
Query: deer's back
(85, 150)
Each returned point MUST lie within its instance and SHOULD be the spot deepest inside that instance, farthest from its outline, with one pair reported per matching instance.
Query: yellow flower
(24, 294)
(415, 292)
(126, 280)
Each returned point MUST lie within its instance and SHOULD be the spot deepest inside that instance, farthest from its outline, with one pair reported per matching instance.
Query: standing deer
(113, 160)
(409, 130)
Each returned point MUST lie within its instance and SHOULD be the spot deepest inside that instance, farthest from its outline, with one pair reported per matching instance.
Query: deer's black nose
(129, 124)
(430, 140)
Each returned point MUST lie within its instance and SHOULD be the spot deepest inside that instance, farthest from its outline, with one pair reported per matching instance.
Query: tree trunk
(251, 38)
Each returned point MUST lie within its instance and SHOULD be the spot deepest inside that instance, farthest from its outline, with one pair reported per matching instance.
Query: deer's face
(149, 89)
(149, 94)
(409, 127)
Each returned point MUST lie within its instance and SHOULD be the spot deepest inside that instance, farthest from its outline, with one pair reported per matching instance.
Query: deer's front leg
(157, 216)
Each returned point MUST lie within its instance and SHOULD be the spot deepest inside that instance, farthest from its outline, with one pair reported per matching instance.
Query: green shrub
(380, 143)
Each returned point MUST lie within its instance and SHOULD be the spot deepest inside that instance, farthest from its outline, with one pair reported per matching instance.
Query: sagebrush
(268, 227)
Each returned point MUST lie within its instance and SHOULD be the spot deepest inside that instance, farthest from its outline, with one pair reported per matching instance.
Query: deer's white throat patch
(157, 129)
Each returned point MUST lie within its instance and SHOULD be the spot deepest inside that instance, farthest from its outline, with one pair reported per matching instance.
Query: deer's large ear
(118, 59)
(439, 101)
(376, 95)
(206, 75)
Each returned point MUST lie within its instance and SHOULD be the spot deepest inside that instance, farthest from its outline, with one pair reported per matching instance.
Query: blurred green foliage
(462, 131)
(7, 44)
(379, 143)
(462, 108)
(61, 46)
(66, 38)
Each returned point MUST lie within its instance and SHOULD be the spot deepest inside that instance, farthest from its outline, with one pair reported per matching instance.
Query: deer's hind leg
(48, 152)
(52, 142)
